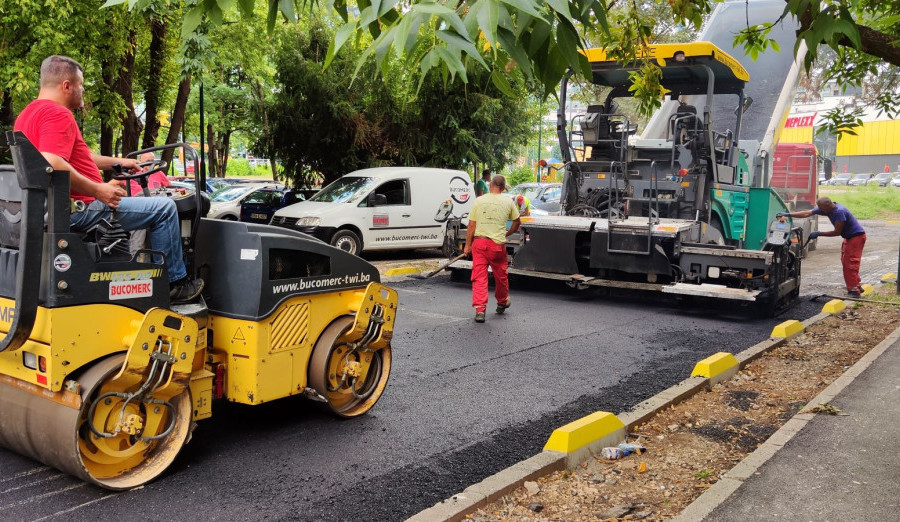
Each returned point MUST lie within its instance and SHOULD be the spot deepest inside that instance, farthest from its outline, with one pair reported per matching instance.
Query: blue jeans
(157, 214)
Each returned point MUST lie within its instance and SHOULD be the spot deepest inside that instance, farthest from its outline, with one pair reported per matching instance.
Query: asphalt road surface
(464, 402)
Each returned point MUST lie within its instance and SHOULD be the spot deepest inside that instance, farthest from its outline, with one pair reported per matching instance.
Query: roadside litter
(622, 450)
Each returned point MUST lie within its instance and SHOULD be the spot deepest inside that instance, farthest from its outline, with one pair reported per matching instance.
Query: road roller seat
(10, 207)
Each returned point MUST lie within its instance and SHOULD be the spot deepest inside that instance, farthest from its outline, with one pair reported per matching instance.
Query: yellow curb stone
(889, 278)
(404, 270)
(867, 289)
(583, 431)
(789, 328)
(834, 306)
(714, 365)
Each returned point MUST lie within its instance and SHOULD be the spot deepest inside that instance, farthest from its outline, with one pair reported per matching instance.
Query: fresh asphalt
(464, 402)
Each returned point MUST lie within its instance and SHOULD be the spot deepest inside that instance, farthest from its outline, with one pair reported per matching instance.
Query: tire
(716, 223)
(228, 217)
(347, 241)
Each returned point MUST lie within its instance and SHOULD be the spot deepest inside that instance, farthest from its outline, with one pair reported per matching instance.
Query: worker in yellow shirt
(524, 205)
(486, 241)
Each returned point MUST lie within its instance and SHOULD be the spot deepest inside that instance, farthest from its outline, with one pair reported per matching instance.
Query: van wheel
(347, 241)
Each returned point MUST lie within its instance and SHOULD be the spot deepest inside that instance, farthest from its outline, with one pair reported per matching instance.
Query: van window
(396, 191)
(344, 189)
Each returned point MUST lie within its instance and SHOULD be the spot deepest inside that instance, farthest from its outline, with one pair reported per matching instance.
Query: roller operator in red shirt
(49, 124)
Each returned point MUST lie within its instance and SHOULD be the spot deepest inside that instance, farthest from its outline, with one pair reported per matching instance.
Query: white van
(383, 208)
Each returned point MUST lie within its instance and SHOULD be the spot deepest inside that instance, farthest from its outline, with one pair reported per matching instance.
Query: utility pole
(540, 132)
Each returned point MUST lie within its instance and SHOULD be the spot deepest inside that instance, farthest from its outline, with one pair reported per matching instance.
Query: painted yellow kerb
(580, 433)
(867, 289)
(834, 306)
(888, 277)
(789, 328)
(403, 270)
(714, 365)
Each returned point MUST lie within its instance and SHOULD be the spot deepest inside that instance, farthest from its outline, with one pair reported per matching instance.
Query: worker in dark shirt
(846, 226)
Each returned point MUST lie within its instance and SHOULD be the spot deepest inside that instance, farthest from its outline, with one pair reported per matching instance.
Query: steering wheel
(141, 177)
(154, 165)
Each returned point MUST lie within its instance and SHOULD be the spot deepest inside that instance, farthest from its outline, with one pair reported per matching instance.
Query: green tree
(543, 39)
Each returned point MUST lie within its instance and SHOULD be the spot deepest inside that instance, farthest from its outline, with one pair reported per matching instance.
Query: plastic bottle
(622, 450)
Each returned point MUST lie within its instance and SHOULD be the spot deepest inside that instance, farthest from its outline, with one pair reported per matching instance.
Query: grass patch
(867, 202)
(887, 294)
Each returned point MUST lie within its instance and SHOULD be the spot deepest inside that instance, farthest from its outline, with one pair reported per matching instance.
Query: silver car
(859, 179)
(840, 179)
(226, 203)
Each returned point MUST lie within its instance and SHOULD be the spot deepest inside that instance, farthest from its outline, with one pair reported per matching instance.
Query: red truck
(795, 179)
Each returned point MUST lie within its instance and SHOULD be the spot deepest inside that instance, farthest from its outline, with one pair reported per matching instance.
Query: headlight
(308, 222)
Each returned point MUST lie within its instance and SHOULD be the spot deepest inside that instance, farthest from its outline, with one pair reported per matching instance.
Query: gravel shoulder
(690, 445)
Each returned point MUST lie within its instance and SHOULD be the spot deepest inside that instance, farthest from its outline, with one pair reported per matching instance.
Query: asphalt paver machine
(103, 378)
(675, 214)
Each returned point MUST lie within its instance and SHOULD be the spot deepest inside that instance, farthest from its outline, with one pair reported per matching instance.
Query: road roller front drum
(351, 380)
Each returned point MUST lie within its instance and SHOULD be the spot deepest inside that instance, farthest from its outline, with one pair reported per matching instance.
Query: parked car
(383, 208)
(260, 205)
(840, 179)
(895, 181)
(226, 203)
(823, 178)
(881, 179)
(549, 201)
(212, 184)
(859, 179)
(533, 191)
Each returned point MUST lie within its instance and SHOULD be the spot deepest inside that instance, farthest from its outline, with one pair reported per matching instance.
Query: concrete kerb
(546, 462)
(711, 498)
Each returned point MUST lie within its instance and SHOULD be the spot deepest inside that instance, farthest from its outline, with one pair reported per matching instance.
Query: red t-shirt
(52, 128)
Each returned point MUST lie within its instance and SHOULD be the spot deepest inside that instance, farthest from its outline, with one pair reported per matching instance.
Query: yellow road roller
(103, 378)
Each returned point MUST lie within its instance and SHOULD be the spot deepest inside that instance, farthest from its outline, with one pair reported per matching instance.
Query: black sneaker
(854, 293)
(502, 307)
(185, 290)
(479, 317)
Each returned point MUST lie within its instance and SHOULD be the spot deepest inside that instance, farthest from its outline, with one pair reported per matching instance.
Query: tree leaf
(499, 80)
(110, 3)
(452, 61)
(525, 6)
(340, 38)
(487, 14)
(461, 44)
(567, 40)
(561, 7)
(507, 40)
(192, 20)
(246, 7)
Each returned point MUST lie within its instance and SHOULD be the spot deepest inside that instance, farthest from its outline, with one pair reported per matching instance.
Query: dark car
(260, 205)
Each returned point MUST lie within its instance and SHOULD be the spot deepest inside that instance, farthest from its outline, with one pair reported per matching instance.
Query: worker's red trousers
(486, 252)
(851, 253)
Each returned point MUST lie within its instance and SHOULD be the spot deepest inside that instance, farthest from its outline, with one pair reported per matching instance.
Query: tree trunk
(223, 153)
(7, 121)
(7, 117)
(131, 125)
(107, 129)
(158, 28)
(177, 122)
(267, 131)
(211, 160)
